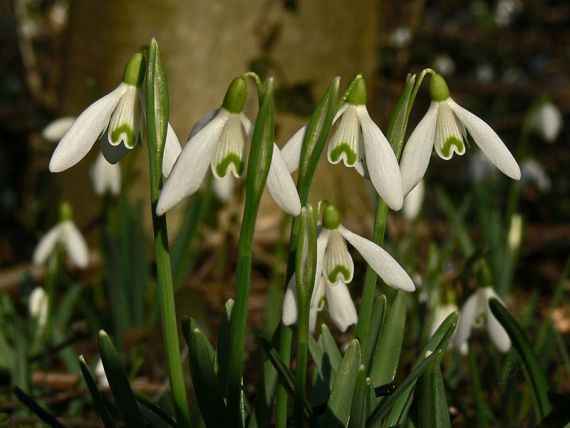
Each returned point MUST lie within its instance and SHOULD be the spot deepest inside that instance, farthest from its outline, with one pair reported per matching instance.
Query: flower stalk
(157, 123)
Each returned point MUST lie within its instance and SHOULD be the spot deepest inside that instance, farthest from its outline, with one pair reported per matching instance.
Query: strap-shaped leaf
(119, 383)
(35, 407)
(430, 403)
(389, 345)
(534, 372)
(399, 120)
(204, 379)
(337, 413)
(154, 408)
(222, 350)
(98, 400)
(328, 344)
(359, 402)
(376, 324)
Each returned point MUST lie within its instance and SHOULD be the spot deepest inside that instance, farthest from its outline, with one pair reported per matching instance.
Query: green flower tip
(357, 96)
(331, 217)
(234, 100)
(134, 70)
(438, 88)
(65, 211)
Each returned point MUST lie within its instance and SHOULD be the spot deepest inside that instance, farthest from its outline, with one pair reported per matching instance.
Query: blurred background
(504, 60)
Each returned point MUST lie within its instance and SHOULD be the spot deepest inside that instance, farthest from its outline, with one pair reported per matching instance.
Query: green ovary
(447, 151)
(339, 270)
(344, 148)
(232, 158)
(129, 133)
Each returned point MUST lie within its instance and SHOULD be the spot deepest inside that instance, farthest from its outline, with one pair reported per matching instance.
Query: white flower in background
(101, 376)
(401, 36)
(533, 172)
(218, 141)
(485, 73)
(506, 11)
(444, 65)
(55, 130)
(443, 128)
(66, 234)
(106, 176)
(548, 121)
(117, 119)
(480, 169)
(413, 201)
(38, 306)
(514, 237)
(335, 265)
(359, 143)
(476, 313)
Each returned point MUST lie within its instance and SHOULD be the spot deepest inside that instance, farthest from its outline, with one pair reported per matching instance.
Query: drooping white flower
(336, 267)
(66, 234)
(38, 306)
(106, 176)
(117, 120)
(413, 201)
(359, 143)
(101, 376)
(55, 130)
(443, 128)
(514, 236)
(548, 121)
(476, 313)
(218, 141)
(532, 171)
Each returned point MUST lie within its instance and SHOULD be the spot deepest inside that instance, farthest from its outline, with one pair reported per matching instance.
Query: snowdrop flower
(533, 172)
(514, 237)
(335, 265)
(66, 234)
(443, 128)
(475, 313)
(413, 201)
(444, 64)
(117, 119)
(38, 306)
(101, 376)
(56, 129)
(106, 176)
(359, 143)
(218, 141)
(548, 121)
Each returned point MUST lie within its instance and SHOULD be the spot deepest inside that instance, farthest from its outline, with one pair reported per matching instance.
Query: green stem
(281, 394)
(157, 118)
(482, 421)
(301, 366)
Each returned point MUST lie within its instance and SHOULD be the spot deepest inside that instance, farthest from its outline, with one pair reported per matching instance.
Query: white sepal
(38, 306)
(467, 316)
(55, 130)
(496, 331)
(90, 124)
(291, 151)
(413, 201)
(47, 245)
(340, 305)
(281, 186)
(106, 176)
(74, 244)
(172, 150)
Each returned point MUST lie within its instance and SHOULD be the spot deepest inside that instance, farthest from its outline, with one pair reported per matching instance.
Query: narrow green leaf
(206, 385)
(322, 373)
(35, 407)
(330, 348)
(358, 412)
(389, 345)
(376, 325)
(222, 351)
(399, 120)
(98, 400)
(534, 373)
(154, 408)
(65, 307)
(122, 392)
(430, 403)
(337, 413)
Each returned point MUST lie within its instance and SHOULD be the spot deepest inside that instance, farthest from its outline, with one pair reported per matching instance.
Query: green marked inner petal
(350, 155)
(451, 142)
(339, 270)
(223, 166)
(125, 133)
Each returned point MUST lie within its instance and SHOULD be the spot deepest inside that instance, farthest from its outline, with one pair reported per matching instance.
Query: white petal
(345, 142)
(496, 331)
(549, 121)
(47, 245)
(317, 303)
(291, 151)
(381, 162)
(413, 201)
(106, 176)
(224, 187)
(85, 131)
(289, 311)
(229, 153)
(172, 150)
(469, 312)
(281, 185)
(125, 124)
(340, 306)
(207, 118)
(75, 244)
(38, 306)
(55, 130)
(417, 151)
(448, 138)
(322, 243)
(488, 141)
(383, 263)
(246, 123)
(337, 265)
(192, 164)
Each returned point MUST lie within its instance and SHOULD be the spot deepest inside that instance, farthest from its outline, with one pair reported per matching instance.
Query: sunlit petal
(281, 186)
